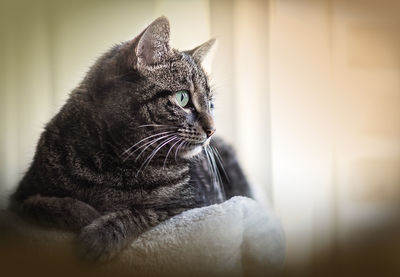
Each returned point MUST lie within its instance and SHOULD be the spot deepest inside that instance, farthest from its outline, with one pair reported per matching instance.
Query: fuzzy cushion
(236, 238)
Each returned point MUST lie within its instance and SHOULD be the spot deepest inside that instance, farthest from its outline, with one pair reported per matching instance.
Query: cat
(132, 147)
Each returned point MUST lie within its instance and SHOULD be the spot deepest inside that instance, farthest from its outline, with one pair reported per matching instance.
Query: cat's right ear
(152, 45)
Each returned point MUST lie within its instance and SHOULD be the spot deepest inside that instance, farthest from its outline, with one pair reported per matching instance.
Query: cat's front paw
(99, 242)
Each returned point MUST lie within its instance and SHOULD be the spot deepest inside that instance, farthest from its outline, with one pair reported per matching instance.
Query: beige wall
(301, 124)
(335, 120)
(241, 74)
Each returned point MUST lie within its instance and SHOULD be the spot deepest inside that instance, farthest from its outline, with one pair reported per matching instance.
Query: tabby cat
(132, 147)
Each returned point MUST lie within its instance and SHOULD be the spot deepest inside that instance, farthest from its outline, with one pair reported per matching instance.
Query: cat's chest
(208, 188)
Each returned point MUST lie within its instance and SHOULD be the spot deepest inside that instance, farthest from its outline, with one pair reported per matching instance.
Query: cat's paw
(99, 242)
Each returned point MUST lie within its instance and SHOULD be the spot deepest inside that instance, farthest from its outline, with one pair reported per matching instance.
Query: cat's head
(147, 92)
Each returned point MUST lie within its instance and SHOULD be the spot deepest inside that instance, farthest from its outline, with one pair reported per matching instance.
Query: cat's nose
(207, 122)
(210, 132)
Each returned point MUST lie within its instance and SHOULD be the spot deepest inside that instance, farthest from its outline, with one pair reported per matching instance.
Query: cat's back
(58, 144)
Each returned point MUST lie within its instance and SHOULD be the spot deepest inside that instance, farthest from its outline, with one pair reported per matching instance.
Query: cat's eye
(182, 97)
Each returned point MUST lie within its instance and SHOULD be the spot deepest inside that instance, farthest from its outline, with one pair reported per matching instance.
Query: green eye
(182, 97)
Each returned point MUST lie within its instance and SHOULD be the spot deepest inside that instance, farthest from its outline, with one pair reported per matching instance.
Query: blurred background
(308, 92)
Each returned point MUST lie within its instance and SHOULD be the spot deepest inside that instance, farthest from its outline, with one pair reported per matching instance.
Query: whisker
(155, 125)
(166, 157)
(127, 150)
(153, 153)
(217, 176)
(159, 148)
(220, 161)
(146, 145)
(184, 145)
(214, 174)
(151, 143)
(208, 163)
(177, 149)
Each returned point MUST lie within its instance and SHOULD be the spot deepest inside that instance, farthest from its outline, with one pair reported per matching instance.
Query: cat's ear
(200, 52)
(153, 44)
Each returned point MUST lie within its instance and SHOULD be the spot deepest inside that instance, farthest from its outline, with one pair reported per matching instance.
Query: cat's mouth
(193, 142)
(191, 150)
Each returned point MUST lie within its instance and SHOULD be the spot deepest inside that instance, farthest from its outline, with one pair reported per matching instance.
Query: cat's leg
(106, 236)
(65, 212)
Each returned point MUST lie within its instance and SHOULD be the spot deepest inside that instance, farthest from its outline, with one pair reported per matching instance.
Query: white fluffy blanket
(236, 238)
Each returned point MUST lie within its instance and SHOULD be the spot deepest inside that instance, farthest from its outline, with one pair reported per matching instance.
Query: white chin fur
(193, 152)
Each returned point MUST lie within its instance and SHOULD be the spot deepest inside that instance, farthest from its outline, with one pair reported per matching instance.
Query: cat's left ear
(200, 52)
(153, 45)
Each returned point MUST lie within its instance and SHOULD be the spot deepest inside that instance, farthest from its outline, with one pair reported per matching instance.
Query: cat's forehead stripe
(199, 79)
(198, 76)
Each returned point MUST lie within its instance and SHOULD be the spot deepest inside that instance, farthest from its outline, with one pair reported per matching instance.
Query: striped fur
(121, 155)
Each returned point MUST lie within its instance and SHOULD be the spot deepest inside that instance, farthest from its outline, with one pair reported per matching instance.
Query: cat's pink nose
(210, 132)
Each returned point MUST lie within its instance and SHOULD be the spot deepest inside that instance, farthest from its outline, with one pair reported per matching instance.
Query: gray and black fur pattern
(121, 155)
